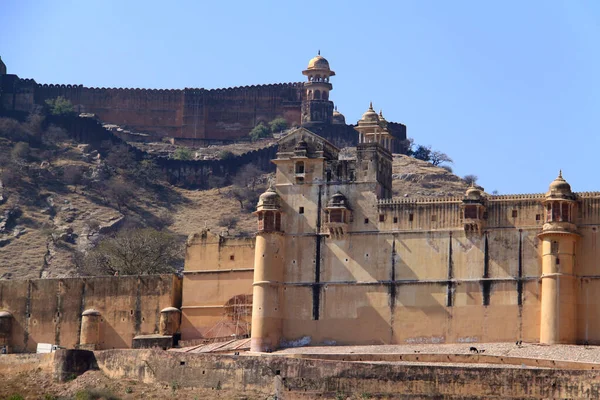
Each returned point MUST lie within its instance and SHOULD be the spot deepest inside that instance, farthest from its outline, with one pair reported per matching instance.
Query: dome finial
(370, 105)
(319, 52)
(560, 173)
(381, 112)
(335, 108)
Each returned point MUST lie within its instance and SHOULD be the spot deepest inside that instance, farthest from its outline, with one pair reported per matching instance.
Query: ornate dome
(338, 117)
(559, 187)
(318, 62)
(268, 200)
(370, 116)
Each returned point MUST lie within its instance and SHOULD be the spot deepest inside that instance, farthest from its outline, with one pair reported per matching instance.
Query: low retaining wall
(455, 359)
(62, 364)
(297, 378)
(19, 363)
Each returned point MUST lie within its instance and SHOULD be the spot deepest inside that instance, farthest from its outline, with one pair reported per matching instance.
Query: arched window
(269, 222)
(565, 212)
(300, 167)
(325, 95)
(317, 95)
(310, 94)
(261, 224)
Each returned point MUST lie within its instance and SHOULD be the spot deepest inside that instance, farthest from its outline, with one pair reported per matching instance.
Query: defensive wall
(50, 310)
(410, 273)
(197, 115)
(187, 173)
(217, 287)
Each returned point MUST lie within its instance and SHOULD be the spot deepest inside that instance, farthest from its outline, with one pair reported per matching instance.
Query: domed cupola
(560, 203)
(473, 210)
(269, 200)
(338, 200)
(369, 117)
(560, 189)
(338, 214)
(268, 211)
(338, 117)
(319, 63)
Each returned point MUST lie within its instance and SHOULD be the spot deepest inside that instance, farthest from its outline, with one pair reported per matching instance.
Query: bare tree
(246, 188)
(470, 179)
(437, 158)
(118, 192)
(133, 252)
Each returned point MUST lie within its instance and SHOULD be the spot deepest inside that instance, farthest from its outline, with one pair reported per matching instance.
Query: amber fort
(336, 259)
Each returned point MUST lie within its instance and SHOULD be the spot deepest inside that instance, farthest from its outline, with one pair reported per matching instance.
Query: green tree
(183, 153)
(59, 106)
(278, 124)
(422, 153)
(259, 131)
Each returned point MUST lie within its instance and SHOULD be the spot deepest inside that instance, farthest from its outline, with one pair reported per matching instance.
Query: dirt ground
(93, 385)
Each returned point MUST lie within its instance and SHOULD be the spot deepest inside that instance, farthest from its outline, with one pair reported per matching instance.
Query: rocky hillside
(59, 198)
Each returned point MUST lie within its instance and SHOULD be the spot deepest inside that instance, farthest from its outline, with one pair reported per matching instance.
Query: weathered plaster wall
(49, 310)
(287, 378)
(217, 286)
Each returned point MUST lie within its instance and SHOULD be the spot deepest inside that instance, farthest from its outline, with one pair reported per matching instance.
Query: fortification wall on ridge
(197, 114)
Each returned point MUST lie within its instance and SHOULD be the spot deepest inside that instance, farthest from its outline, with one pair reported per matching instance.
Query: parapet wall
(49, 310)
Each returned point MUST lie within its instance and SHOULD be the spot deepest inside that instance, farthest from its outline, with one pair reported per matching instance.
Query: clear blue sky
(509, 89)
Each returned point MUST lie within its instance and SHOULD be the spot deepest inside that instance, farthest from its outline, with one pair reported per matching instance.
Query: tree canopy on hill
(59, 106)
(133, 252)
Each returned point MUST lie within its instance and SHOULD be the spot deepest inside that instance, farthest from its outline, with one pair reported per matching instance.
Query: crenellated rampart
(194, 115)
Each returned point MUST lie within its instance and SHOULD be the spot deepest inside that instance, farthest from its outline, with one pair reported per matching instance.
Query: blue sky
(510, 89)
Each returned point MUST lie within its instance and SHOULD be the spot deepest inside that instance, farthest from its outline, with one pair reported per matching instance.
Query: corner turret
(269, 249)
(558, 319)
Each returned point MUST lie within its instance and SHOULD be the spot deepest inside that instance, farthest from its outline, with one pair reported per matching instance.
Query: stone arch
(317, 95)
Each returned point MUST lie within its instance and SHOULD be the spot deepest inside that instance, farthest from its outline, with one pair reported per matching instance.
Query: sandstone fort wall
(199, 115)
(49, 310)
(217, 286)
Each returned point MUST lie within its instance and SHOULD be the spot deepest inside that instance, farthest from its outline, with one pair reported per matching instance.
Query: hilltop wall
(49, 310)
(192, 173)
(190, 114)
